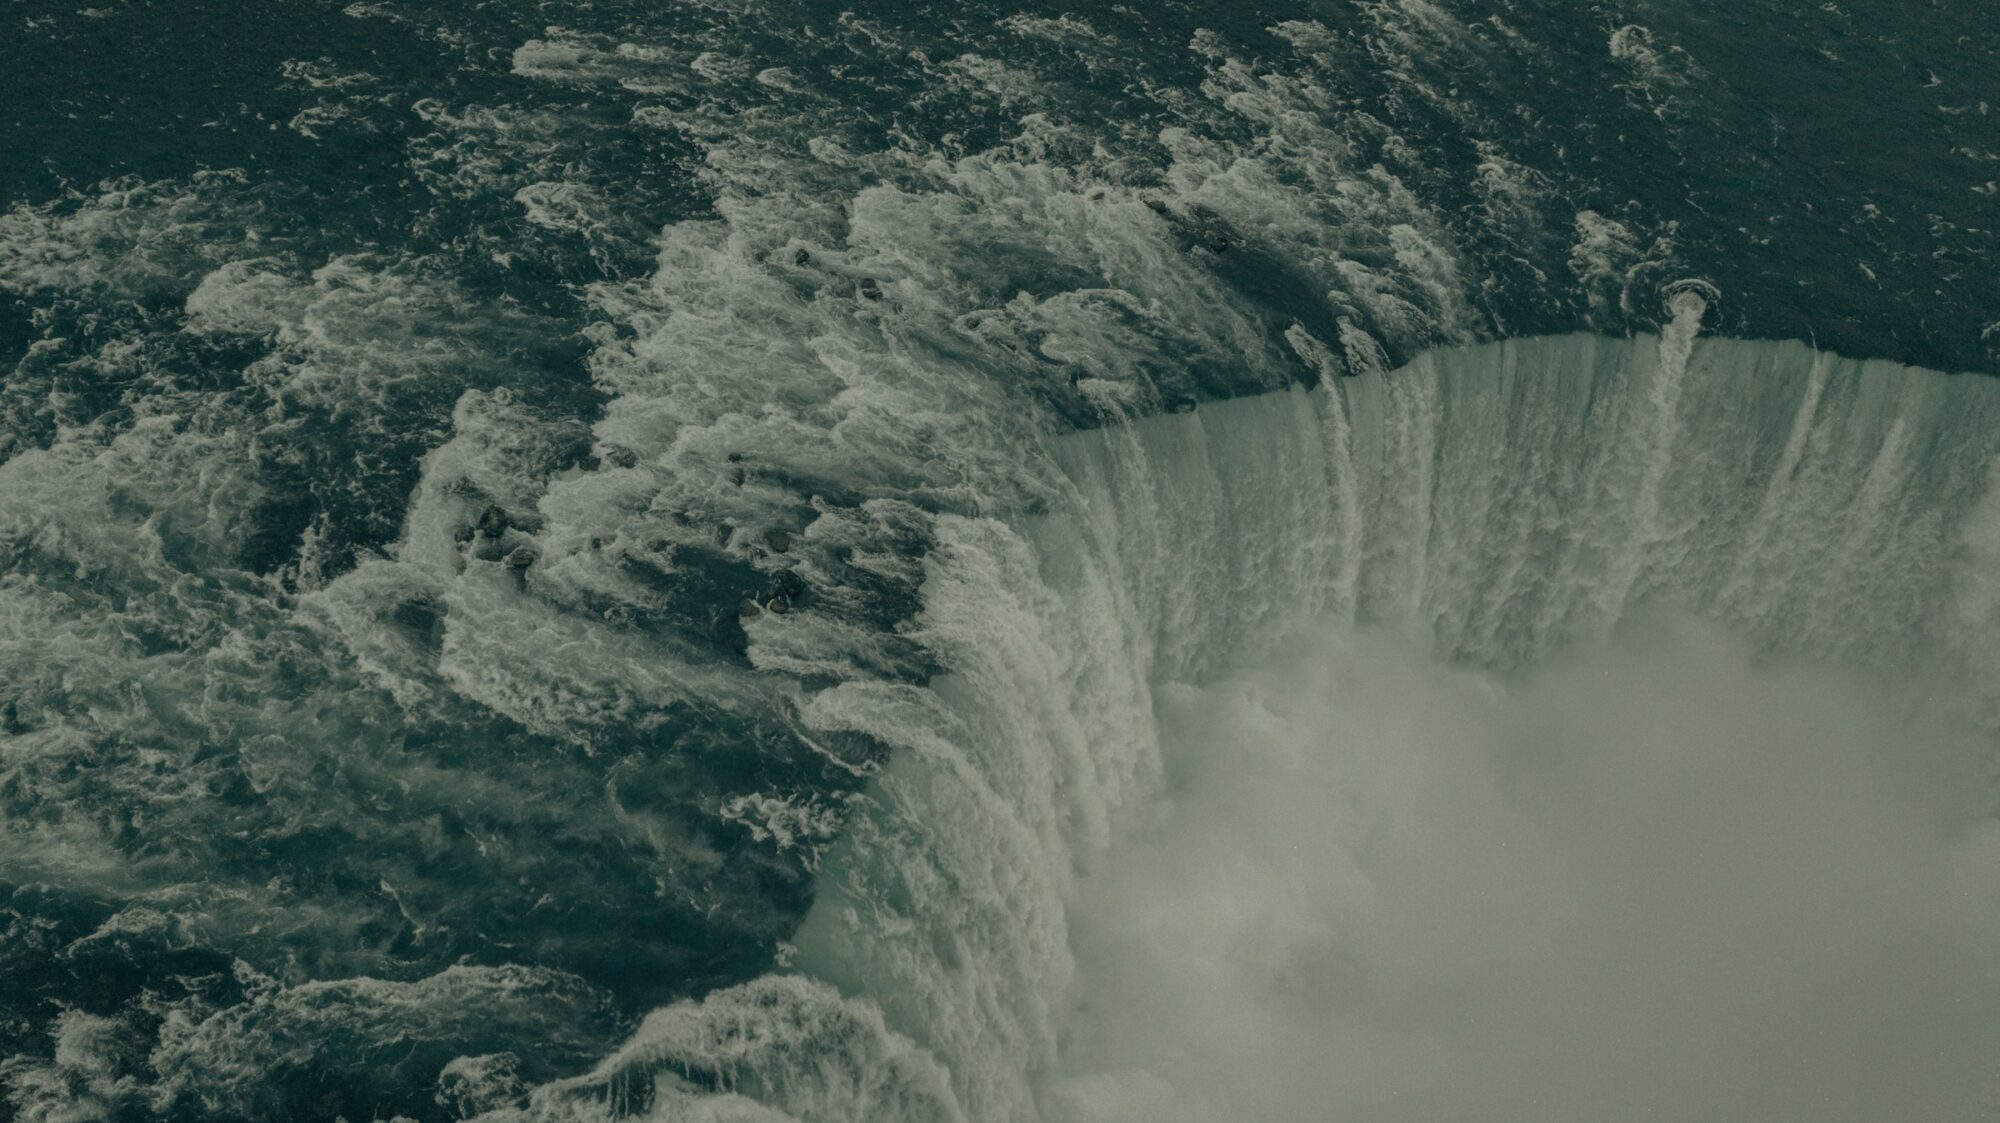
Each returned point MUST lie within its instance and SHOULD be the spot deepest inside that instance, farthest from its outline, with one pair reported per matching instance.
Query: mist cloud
(1655, 879)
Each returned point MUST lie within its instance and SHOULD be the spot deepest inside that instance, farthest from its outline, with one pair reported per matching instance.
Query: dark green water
(480, 482)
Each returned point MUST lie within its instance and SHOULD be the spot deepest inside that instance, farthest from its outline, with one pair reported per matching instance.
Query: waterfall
(1495, 506)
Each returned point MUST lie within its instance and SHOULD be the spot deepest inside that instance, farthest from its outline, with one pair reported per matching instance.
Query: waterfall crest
(1502, 503)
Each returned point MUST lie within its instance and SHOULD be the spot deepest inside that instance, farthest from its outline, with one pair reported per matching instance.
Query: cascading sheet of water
(1473, 740)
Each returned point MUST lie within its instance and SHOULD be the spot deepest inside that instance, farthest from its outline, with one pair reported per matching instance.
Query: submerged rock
(473, 1085)
(522, 557)
(785, 585)
(493, 521)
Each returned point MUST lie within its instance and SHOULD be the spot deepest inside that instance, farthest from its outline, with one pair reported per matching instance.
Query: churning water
(1002, 564)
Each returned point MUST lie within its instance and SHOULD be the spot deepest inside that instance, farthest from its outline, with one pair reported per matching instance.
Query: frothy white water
(1504, 505)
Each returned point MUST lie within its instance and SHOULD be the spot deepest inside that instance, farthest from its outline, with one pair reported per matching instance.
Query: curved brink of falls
(1506, 501)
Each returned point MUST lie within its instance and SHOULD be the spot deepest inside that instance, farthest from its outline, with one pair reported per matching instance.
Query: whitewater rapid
(1487, 509)
(943, 562)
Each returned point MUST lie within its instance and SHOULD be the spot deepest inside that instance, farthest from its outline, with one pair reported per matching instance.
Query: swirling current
(1055, 562)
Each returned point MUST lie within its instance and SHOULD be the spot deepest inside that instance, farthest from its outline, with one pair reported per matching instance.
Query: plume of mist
(1658, 877)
